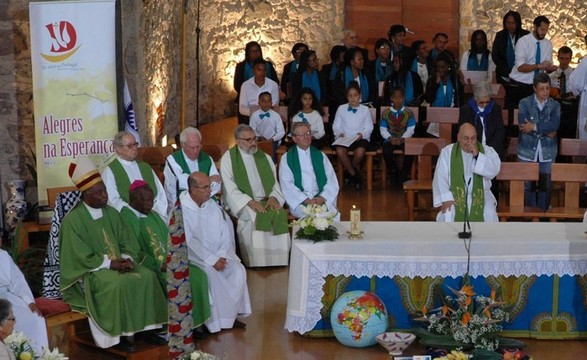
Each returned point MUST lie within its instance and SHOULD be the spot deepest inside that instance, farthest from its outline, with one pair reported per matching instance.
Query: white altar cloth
(429, 249)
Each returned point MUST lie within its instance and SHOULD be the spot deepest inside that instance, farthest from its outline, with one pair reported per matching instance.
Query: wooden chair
(155, 156)
(424, 149)
(52, 193)
(516, 173)
(219, 132)
(446, 118)
(369, 155)
(577, 148)
(573, 176)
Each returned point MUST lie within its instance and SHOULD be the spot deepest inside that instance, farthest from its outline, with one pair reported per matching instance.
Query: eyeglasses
(205, 187)
(249, 140)
(11, 318)
(309, 133)
(132, 146)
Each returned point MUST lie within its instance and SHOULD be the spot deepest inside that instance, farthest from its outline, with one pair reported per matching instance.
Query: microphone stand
(466, 225)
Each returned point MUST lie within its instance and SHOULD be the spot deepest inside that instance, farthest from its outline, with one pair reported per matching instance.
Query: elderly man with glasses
(253, 195)
(124, 169)
(306, 175)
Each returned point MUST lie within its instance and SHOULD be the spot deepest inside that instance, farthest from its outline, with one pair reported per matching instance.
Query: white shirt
(465, 62)
(249, 94)
(271, 128)
(555, 75)
(174, 176)
(349, 123)
(293, 195)
(526, 54)
(315, 120)
(133, 172)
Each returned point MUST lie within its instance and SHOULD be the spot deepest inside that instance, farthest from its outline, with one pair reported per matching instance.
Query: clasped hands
(121, 265)
(220, 264)
(318, 200)
(272, 204)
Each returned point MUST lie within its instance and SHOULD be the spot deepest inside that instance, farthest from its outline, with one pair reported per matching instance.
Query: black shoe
(125, 345)
(239, 325)
(152, 338)
(200, 333)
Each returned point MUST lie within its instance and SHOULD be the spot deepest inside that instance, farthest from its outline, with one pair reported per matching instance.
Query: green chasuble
(272, 220)
(152, 235)
(204, 162)
(457, 187)
(117, 302)
(123, 182)
(293, 161)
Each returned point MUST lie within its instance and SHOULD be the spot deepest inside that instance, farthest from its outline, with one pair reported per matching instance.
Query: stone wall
(568, 21)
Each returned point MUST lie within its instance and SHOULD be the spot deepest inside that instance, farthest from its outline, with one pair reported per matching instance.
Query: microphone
(466, 225)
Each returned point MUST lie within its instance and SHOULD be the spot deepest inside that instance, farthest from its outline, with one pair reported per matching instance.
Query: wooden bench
(573, 176)
(576, 148)
(424, 149)
(446, 117)
(516, 173)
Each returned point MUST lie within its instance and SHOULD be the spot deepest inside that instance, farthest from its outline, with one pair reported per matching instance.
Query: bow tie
(301, 116)
(352, 109)
(264, 115)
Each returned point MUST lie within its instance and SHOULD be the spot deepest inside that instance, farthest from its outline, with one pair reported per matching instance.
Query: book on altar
(345, 141)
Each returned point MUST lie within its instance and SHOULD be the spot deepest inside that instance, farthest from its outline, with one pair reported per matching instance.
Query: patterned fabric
(179, 292)
(63, 204)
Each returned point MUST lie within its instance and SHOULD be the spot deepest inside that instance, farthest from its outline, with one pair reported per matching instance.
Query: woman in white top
(305, 107)
(478, 57)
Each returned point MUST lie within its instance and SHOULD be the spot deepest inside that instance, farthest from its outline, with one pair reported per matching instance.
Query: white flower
(320, 223)
(52, 355)
(16, 338)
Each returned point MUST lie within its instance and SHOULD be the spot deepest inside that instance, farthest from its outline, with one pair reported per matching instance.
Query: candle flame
(354, 207)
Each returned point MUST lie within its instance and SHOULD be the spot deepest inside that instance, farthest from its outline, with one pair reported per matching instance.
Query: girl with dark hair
(305, 107)
(353, 71)
(244, 69)
(478, 57)
(444, 88)
(406, 79)
(382, 64)
(502, 51)
(307, 74)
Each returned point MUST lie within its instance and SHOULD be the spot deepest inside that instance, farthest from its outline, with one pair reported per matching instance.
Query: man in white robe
(259, 245)
(124, 169)
(578, 85)
(301, 182)
(480, 164)
(190, 158)
(14, 288)
(210, 239)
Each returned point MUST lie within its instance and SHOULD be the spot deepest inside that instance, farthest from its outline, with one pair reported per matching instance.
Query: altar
(539, 270)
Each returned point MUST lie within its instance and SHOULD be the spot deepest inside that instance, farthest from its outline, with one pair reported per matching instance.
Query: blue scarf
(409, 89)
(382, 72)
(333, 71)
(348, 77)
(415, 66)
(441, 99)
(473, 65)
(293, 68)
(312, 82)
(249, 70)
(480, 114)
(509, 52)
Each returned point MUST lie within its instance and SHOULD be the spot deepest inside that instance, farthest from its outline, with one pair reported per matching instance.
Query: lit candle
(355, 221)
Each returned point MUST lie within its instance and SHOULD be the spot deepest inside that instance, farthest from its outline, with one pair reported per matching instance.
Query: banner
(74, 85)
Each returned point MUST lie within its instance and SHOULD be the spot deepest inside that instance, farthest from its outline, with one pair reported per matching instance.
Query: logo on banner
(63, 41)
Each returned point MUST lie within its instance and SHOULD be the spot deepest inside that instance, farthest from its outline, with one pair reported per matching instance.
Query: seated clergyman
(100, 273)
(462, 179)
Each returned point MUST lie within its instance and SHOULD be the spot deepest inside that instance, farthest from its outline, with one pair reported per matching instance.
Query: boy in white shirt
(267, 122)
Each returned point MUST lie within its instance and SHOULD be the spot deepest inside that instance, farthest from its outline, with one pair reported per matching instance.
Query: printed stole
(123, 182)
(458, 183)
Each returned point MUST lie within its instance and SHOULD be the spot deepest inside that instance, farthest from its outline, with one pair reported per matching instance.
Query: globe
(357, 317)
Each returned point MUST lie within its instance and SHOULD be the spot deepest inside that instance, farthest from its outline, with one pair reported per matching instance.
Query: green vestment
(117, 302)
(152, 235)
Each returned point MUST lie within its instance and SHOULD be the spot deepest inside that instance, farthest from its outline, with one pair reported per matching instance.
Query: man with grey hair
(190, 158)
(485, 115)
(124, 169)
(253, 195)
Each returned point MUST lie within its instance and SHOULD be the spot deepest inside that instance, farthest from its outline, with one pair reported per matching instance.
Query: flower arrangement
(316, 225)
(200, 355)
(466, 321)
(21, 347)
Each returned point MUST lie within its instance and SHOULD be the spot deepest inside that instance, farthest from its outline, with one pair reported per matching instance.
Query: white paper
(345, 141)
